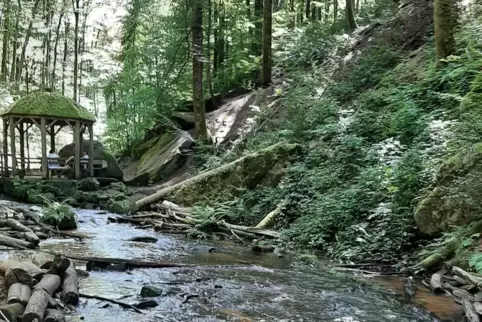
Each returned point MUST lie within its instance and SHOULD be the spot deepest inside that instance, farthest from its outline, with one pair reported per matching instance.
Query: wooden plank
(5, 147)
(77, 148)
(12, 146)
(91, 150)
(43, 137)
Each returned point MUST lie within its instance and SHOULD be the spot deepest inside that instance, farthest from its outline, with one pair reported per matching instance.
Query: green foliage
(59, 215)
(475, 262)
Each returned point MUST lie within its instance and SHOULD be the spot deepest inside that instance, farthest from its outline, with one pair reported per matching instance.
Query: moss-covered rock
(122, 206)
(246, 173)
(441, 208)
(49, 104)
(113, 169)
(162, 157)
(88, 184)
(60, 216)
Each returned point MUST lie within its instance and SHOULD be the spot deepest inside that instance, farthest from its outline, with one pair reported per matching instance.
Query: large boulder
(113, 169)
(454, 199)
(162, 157)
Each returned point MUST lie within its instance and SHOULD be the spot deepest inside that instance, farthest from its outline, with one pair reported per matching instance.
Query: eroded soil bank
(230, 284)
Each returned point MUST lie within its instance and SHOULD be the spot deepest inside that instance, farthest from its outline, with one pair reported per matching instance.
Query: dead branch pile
(464, 287)
(174, 219)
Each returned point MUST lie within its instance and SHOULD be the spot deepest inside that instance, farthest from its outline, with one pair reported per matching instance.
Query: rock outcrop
(454, 199)
(161, 156)
(112, 170)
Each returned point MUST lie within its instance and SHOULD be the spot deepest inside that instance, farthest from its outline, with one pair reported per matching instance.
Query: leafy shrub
(59, 215)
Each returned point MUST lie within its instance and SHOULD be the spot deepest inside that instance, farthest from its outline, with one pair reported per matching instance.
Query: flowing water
(254, 287)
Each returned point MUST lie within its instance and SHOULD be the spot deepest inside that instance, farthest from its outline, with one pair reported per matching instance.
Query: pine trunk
(5, 39)
(350, 15)
(25, 43)
(444, 29)
(197, 71)
(267, 28)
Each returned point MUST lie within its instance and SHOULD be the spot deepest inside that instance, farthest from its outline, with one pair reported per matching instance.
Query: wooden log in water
(53, 315)
(29, 237)
(15, 242)
(470, 313)
(18, 226)
(50, 283)
(70, 286)
(477, 281)
(12, 312)
(19, 293)
(436, 282)
(35, 310)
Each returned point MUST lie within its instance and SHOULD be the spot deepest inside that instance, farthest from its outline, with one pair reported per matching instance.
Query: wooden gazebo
(50, 112)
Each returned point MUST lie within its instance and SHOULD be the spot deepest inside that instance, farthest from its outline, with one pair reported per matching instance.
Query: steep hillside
(390, 153)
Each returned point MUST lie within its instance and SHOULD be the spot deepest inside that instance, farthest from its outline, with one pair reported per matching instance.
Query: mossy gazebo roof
(50, 105)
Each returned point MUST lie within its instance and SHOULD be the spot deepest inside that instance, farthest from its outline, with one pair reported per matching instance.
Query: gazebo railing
(33, 165)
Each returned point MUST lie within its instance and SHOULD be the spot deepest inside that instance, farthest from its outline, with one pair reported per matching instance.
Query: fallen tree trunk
(467, 276)
(436, 282)
(122, 304)
(36, 307)
(70, 286)
(53, 315)
(12, 311)
(470, 312)
(50, 283)
(268, 220)
(130, 264)
(240, 171)
(19, 293)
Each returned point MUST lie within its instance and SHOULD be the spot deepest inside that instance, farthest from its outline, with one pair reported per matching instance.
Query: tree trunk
(56, 44)
(444, 21)
(267, 28)
(308, 9)
(258, 27)
(25, 43)
(335, 10)
(64, 60)
(350, 15)
(208, 53)
(76, 47)
(197, 71)
(6, 37)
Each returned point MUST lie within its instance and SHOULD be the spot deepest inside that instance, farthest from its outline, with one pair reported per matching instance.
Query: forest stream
(230, 284)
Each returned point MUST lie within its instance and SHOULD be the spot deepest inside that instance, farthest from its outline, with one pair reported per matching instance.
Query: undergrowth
(373, 142)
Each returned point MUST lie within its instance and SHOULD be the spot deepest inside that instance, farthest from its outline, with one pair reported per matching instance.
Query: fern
(475, 262)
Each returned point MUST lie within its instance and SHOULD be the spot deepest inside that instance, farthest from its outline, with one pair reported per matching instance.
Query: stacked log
(23, 229)
(31, 289)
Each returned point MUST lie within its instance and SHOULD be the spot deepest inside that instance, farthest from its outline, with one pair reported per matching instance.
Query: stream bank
(257, 287)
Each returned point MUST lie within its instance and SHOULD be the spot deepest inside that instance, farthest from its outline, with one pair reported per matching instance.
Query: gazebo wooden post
(91, 150)
(12, 146)
(22, 145)
(52, 137)
(5, 146)
(43, 137)
(77, 150)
